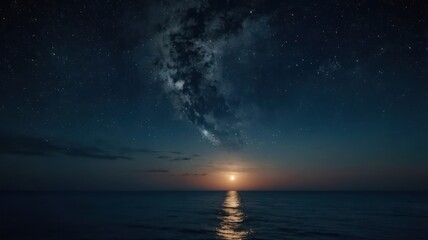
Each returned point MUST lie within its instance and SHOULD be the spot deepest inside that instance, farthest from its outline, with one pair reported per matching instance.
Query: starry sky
(180, 95)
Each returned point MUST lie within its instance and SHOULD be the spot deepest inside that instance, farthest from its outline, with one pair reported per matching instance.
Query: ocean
(214, 215)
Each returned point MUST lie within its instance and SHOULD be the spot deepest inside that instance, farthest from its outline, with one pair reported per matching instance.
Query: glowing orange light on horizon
(232, 178)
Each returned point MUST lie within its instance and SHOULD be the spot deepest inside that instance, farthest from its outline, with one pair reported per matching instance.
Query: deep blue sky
(131, 95)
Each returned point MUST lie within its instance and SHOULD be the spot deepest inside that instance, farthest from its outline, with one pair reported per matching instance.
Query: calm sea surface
(214, 215)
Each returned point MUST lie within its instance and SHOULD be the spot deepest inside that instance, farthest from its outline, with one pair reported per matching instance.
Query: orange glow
(225, 174)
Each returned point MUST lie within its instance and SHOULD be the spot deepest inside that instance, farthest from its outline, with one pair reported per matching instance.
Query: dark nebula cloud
(191, 43)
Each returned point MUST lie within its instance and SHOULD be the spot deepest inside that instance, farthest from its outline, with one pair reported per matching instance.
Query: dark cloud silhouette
(144, 150)
(182, 159)
(33, 146)
(138, 150)
(93, 153)
(194, 174)
(157, 171)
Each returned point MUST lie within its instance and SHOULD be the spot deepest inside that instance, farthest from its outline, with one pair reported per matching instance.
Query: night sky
(156, 95)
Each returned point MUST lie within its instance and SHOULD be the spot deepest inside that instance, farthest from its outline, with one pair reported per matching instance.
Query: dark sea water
(214, 215)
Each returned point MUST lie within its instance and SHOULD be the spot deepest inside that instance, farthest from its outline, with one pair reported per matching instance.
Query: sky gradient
(144, 95)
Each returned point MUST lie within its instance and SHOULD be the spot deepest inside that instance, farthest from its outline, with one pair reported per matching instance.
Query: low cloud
(194, 174)
(182, 159)
(144, 150)
(20, 145)
(33, 146)
(174, 152)
(157, 171)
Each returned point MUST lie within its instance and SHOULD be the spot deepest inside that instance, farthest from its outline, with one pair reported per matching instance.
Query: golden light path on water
(232, 218)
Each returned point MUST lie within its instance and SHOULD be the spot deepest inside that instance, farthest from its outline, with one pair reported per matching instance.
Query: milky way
(191, 44)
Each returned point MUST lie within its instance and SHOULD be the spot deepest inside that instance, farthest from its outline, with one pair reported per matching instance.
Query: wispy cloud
(144, 150)
(11, 144)
(156, 171)
(33, 146)
(175, 152)
(182, 159)
(194, 174)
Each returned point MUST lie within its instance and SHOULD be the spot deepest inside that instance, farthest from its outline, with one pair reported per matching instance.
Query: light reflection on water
(232, 218)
